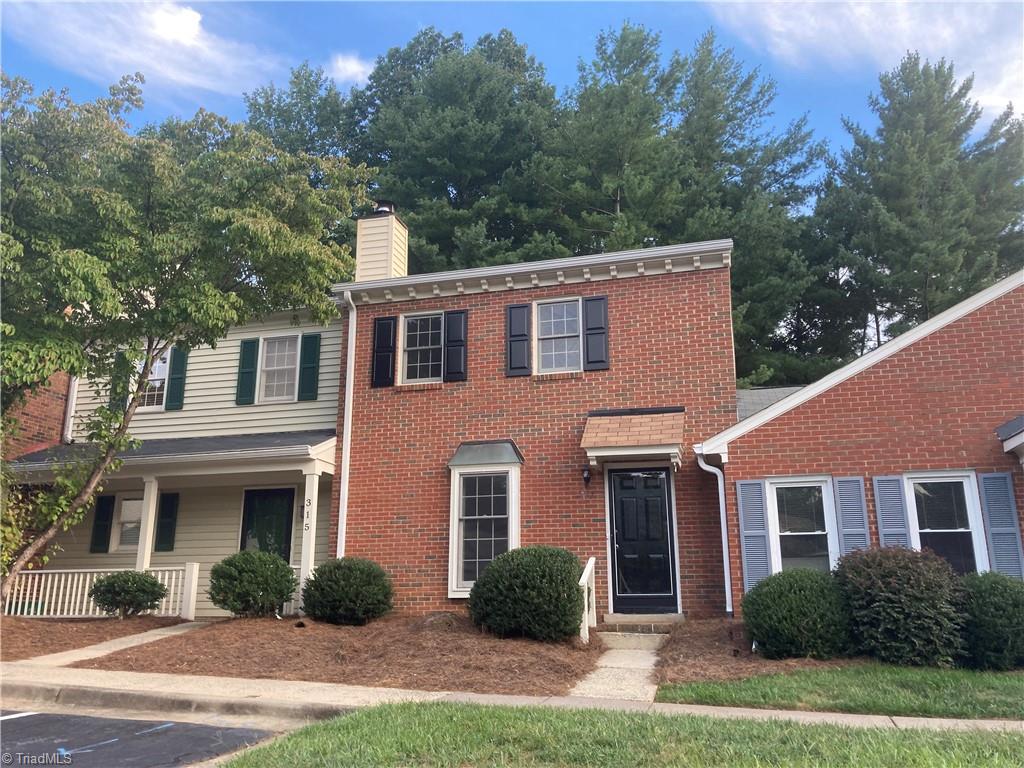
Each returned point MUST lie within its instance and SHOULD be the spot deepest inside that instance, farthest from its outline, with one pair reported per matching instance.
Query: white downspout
(69, 410)
(346, 428)
(699, 450)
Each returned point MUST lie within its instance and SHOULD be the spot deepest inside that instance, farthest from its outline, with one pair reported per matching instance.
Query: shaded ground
(716, 649)
(437, 653)
(22, 638)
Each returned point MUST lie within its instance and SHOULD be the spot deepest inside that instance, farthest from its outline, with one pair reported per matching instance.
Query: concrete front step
(632, 641)
(640, 623)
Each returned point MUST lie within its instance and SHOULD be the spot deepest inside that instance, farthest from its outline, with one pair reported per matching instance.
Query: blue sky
(825, 56)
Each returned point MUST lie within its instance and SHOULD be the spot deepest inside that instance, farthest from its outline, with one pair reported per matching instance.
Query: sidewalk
(35, 685)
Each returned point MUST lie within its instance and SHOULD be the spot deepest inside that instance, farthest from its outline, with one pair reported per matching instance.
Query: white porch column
(147, 529)
(309, 504)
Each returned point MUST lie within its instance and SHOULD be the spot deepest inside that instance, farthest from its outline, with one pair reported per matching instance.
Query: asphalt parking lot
(39, 738)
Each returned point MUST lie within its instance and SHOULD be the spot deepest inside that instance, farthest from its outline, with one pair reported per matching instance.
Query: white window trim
(535, 335)
(971, 496)
(163, 402)
(454, 559)
(831, 523)
(296, 512)
(115, 528)
(260, 399)
(400, 346)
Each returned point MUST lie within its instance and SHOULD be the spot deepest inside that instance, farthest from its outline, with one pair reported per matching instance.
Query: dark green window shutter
(754, 546)
(595, 333)
(891, 512)
(1002, 526)
(455, 332)
(248, 359)
(166, 522)
(309, 366)
(517, 340)
(383, 373)
(119, 384)
(102, 522)
(175, 398)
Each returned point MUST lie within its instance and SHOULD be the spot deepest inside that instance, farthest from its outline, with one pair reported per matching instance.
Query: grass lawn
(867, 688)
(465, 735)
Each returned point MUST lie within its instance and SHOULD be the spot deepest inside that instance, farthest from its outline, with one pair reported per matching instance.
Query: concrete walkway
(64, 658)
(36, 686)
(622, 673)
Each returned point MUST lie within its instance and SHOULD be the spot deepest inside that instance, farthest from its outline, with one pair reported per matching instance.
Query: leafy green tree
(168, 237)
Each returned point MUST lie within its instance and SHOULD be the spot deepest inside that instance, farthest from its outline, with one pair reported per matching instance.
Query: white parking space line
(17, 715)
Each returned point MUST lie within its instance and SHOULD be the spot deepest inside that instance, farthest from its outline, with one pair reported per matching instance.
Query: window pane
(423, 351)
(560, 354)
(130, 534)
(801, 509)
(957, 548)
(280, 359)
(153, 390)
(805, 551)
(484, 522)
(941, 505)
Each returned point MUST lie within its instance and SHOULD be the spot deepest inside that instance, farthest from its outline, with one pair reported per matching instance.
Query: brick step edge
(31, 695)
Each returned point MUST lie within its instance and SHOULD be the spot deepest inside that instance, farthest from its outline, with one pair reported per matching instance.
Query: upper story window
(423, 348)
(802, 521)
(155, 389)
(558, 336)
(279, 369)
(944, 515)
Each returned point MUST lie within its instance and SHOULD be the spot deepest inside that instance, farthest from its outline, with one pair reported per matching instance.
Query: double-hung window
(803, 525)
(944, 515)
(423, 348)
(279, 369)
(559, 336)
(155, 389)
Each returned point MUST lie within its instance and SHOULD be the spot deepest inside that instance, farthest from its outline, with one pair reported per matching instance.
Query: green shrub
(994, 621)
(349, 590)
(127, 593)
(252, 583)
(532, 591)
(797, 613)
(903, 605)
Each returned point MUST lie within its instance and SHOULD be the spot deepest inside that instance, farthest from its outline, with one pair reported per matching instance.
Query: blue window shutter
(891, 509)
(166, 522)
(852, 511)
(455, 333)
(383, 367)
(175, 399)
(1002, 526)
(517, 340)
(754, 545)
(595, 333)
(102, 522)
(309, 366)
(248, 360)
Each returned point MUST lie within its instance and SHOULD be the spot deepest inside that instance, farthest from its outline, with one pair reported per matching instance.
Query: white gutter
(69, 409)
(726, 567)
(346, 427)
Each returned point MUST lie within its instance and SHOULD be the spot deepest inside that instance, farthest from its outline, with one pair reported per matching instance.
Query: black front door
(644, 572)
(267, 521)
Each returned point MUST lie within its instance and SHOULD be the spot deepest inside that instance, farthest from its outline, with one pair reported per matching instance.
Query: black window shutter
(517, 340)
(166, 522)
(595, 333)
(118, 397)
(248, 359)
(383, 373)
(455, 332)
(102, 522)
(309, 366)
(175, 399)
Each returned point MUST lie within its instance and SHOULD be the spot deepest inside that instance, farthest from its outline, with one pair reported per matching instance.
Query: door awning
(657, 435)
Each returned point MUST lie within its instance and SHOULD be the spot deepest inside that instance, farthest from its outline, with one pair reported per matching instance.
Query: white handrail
(587, 586)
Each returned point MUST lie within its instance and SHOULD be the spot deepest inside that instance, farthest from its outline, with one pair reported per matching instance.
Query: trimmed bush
(903, 606)
(797, 613)
(127, 593)
(532, 592)
(348, 590)
(252, 583)
(994, 621)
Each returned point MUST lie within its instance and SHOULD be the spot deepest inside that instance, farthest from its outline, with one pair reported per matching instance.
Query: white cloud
(348, 68)
(167, 42)
(983, 38)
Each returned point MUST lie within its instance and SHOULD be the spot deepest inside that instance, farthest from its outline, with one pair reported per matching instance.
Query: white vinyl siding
(210, 383)
(208, 530)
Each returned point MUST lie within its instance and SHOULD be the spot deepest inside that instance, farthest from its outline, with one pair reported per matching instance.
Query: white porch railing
(64, 594)
(587, 586)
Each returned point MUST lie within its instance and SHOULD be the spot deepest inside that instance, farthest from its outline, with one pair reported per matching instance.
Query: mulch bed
(22, 638)
(717, 649)
(441, 652)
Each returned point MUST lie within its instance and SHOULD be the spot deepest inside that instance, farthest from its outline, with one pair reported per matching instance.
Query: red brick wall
(931, 406)
(670, 342)
(40, 421)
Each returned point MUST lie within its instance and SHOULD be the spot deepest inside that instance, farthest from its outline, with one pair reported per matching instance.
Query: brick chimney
(382, 244)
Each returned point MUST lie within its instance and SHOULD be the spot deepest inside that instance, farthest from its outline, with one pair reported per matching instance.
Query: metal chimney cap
(384, 206)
